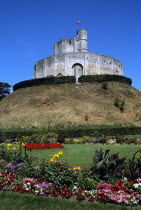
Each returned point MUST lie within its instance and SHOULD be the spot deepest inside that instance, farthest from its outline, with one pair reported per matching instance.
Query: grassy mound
(71, 105)
(13, 201)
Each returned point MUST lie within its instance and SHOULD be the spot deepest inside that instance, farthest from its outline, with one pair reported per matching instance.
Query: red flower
(65, 193)
(132, 182)
(34, 146)
(115, 188)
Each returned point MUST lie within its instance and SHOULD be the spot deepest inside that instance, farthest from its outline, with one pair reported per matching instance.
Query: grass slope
(68, 104)
(14, 201)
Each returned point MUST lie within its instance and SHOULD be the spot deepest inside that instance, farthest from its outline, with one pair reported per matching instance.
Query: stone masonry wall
(92, 64)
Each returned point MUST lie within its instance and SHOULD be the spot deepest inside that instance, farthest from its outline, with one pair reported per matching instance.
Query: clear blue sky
(29, 29)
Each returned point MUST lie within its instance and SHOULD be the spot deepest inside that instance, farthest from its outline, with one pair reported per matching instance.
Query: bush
(105, 78)
(134, 167)
(44, 81)
(104, 85)
(71, 79)
(108, 166)
(60, 174)
(61, 134)
(119, 103)
(4, 90)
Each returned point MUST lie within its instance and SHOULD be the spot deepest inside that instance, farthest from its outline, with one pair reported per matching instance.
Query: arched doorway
(78, 70)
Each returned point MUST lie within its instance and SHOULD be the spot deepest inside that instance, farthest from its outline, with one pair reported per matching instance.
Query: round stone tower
(82, 38)
(71, 58)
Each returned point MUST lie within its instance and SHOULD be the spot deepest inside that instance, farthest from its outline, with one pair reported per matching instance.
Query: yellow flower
(23, 144)
(14, 148)
(76, 168)
(52, 159)
(8, 148)
(56, 155)
(9, 145)
(60, 152)
(77, 140)
(17, 142)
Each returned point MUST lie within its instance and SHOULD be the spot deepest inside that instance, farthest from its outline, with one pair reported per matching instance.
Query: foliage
(61, 134)
(44, 81)
(119, 103)
(105, 78)
(60, 174)
(104, 85)
(134, 167)
(108, 166)
(58, 178)
(16, 153)
(4, 90)
(88, 180)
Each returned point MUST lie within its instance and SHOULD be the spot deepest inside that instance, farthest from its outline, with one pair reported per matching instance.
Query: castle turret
(82, 38)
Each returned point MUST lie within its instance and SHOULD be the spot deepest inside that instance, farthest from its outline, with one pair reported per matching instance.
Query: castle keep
(71, 58)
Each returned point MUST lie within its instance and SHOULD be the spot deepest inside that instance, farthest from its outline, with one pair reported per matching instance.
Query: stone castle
(71, 58)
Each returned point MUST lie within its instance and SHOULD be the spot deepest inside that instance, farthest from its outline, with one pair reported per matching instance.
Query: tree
(4, 90)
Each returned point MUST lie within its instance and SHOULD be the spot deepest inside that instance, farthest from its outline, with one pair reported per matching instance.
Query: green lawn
(14, 201)
(82, 155)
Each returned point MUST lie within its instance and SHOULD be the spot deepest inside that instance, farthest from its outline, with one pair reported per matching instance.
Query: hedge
(44, 81)
(71, 79)
(99, 132)
(105, 78)
(76, 132)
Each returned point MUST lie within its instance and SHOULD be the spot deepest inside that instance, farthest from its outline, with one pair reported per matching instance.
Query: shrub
(134, 167)
(44, 81)
(87, 183)
(119, 103)
(107, 166)
(4, 90)
(104, 85)
(105, 78)
(60, 174)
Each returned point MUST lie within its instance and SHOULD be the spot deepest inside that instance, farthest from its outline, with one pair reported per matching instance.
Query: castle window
(110, 62)
(70, 42)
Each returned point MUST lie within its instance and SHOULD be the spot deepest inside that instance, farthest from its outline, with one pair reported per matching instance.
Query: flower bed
(34, 146)
(110, 179)
(62, 180)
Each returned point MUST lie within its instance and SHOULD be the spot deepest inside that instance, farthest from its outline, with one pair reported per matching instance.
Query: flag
(78, 22)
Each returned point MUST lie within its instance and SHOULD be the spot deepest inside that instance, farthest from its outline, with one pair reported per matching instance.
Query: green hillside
(70, 104)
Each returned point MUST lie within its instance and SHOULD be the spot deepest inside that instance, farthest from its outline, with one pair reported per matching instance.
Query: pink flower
(139, 180)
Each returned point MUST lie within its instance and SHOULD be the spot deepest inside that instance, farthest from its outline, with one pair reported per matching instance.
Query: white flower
(134, 201)
(136, 185)
(36, 192)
